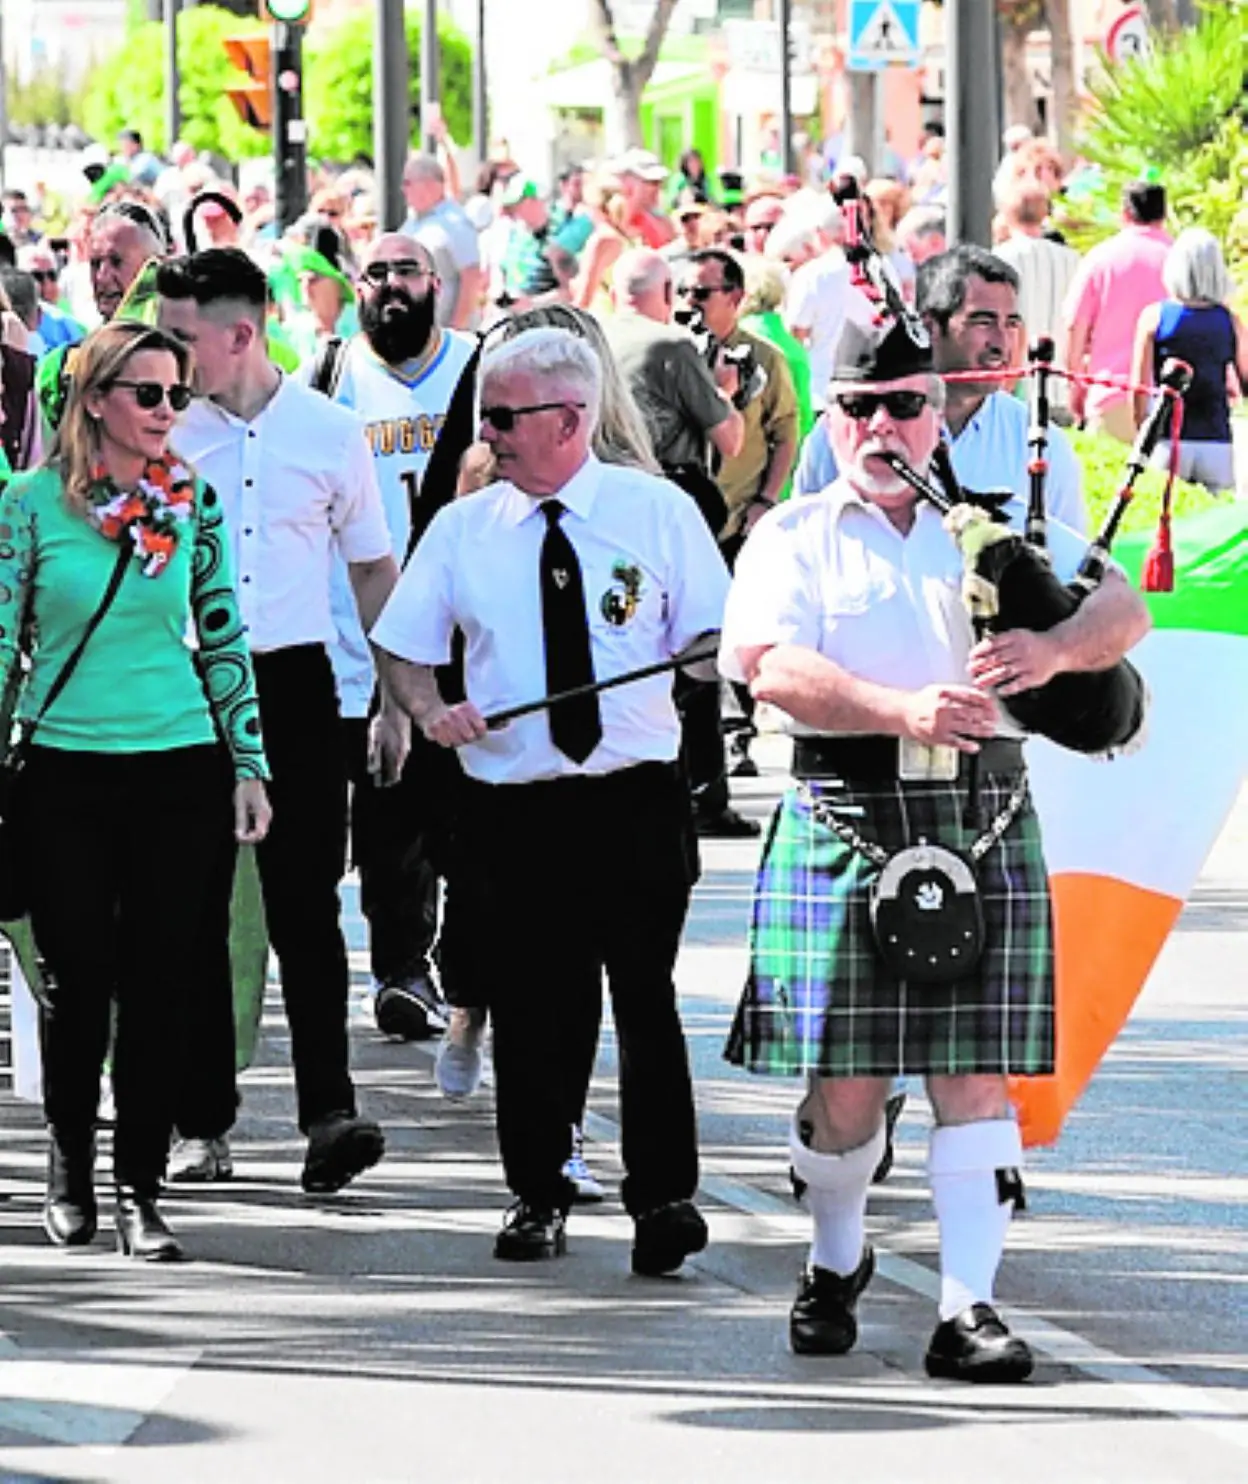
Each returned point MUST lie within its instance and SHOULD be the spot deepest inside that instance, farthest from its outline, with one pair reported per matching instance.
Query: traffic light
(287, 12)
(252, 99)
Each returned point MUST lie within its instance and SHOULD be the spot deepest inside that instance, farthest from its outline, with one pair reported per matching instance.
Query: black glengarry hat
(899, 346)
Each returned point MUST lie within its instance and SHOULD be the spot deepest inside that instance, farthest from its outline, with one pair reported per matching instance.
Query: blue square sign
(883, 33)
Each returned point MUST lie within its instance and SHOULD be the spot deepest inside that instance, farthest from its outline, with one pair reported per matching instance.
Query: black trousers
(131, 860)
(301, 864)
(571, 878)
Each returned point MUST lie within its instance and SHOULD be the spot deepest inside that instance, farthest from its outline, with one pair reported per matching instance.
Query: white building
(66, 35)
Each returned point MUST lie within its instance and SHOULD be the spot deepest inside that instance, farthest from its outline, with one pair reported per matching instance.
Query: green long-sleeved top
(138, 686)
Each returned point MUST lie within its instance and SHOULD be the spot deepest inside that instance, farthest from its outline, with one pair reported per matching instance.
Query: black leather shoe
(726, 825)
(822, 1320)
(141, 1229)
(340, 1147)
(411, 1011)
(976, 1346)
(531, 1233)
(70, 1216)
(665, 1236)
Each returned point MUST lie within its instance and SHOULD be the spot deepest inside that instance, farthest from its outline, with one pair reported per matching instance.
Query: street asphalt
(371, 1338)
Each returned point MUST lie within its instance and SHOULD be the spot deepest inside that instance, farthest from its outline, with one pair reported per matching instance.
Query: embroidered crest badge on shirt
(561, 577)
(620, 601)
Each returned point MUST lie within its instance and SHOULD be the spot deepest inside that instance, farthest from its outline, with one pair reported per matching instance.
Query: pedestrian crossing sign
(883, 33)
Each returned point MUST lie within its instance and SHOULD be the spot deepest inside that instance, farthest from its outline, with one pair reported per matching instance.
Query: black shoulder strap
(459, 428)
(124, 556)
(327, 372)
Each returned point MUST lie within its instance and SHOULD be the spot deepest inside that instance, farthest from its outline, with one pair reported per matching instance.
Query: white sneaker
(589, 1191)
(460, 1060)
(201, 1161)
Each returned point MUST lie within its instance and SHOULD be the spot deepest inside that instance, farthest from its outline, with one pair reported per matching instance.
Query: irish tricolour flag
(1125, 840)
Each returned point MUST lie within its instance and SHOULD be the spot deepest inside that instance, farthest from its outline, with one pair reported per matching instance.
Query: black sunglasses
(503, 419)
(44, 275)
(150, 394)
(902, 407)
(378, 273)
(701, 292)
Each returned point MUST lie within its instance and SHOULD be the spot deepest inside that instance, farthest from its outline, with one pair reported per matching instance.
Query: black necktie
(575, 726)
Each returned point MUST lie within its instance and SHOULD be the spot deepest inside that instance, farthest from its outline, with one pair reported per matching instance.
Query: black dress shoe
(531, 1233)
(340, 1147)
(141, 1229)
(411, 1011)
(665, 1236)
(976, 1346)
(70, 1216)
(822, 1320)
(726, 825)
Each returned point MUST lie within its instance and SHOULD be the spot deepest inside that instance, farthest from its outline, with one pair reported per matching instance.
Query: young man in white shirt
(577, 841)
(399, 374)
(296, 480)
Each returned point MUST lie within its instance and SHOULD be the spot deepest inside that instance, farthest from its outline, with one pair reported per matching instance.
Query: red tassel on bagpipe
(1158, 573)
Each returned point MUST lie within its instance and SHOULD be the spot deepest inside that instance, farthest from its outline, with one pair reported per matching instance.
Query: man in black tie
(578, 852)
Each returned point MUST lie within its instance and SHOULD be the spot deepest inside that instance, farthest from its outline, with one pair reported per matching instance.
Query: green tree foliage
(126, 90)
(339, 84)
(1179, 112)
(42, 98)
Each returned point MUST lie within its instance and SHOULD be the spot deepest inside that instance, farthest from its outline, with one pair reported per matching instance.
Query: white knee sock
(836, 1191)
(973, 1218)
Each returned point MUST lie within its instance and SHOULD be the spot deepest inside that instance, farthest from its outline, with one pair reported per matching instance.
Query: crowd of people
(279, 540)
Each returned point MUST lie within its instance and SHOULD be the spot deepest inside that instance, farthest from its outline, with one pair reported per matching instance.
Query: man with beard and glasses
(399, 374)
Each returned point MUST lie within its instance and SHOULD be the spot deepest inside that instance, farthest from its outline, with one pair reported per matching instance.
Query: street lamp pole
(391, 109)
(173, 79)
(972, 117)
(480, 98)
(786, 88)
(430, 95)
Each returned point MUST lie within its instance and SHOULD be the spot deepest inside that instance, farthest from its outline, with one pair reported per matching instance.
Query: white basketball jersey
(402, 418)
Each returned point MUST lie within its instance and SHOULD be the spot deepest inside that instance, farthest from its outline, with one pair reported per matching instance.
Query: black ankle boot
(69, 1213)
(141, 1230)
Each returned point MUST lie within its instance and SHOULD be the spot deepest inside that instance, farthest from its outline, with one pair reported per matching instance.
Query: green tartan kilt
(818, 998)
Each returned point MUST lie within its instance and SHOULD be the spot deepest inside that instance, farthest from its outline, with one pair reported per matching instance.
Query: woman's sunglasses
(902, 407)
(150, 394)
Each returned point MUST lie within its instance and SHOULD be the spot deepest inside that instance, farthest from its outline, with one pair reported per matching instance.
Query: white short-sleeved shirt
(654, 581)
(822, 299)
(403, 416)
(991, 452)
(831, 573)
(294, 481)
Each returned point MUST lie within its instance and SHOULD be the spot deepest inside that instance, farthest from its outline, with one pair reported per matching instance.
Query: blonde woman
(143, 761)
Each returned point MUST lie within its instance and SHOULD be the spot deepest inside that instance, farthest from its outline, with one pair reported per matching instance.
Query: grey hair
(423, 167)
(1195, 270)
(789, 235)
(556, 356)
(920, 222)
(640, 271)
(764, 286)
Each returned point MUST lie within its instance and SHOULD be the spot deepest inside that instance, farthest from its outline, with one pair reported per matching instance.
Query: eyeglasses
(378, 273)
(503, 419)
(902, 407)
(701, 292)
(44, 275)
(150, 394)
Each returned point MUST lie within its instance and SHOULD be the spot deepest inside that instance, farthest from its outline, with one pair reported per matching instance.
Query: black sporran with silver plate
(926, 914)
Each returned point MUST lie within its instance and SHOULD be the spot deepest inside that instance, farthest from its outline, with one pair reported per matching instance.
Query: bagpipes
(1008, 582)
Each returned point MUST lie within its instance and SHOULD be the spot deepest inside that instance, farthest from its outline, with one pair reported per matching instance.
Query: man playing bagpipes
(901, 920)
